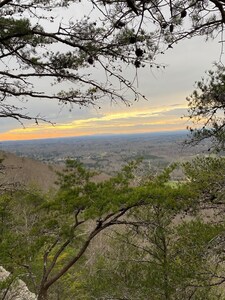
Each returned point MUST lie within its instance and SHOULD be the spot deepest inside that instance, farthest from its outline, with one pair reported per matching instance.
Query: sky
(166, 91)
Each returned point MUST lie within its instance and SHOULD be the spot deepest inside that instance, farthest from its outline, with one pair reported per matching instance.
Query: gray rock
(15, 290)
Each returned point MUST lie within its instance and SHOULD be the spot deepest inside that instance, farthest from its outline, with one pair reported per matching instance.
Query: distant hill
(30, 172)
(27, 171)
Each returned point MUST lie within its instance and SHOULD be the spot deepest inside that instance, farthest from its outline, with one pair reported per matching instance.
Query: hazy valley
(109, 153)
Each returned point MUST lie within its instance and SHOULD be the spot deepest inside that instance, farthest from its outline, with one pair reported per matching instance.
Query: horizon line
(98, 135)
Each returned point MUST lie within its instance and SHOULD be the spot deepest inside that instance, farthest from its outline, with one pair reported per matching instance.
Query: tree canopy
(37, 45)
(168, 249)
(207, 107)
(165, 243)
(47, 237)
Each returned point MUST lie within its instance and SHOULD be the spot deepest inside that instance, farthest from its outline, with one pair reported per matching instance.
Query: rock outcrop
(13, 289)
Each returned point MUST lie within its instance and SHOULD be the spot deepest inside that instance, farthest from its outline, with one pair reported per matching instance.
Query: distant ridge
(29, 172)
(26, 171)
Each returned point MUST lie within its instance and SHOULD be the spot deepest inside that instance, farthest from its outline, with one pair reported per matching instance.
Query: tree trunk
(43, 294)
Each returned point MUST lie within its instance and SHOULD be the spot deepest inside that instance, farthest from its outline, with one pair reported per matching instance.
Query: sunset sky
(132, 121)
(166, 91)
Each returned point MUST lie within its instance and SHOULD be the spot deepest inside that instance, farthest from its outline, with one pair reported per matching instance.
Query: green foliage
(157, 257)
(78, 191)
(163, 246)
(206, 106)
(207, 177)
(11, 27)
(168, 248)
(47, 234)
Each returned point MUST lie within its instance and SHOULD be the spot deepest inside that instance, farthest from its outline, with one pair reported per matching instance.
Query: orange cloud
(124, 122)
